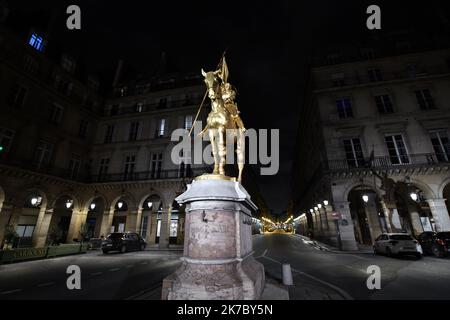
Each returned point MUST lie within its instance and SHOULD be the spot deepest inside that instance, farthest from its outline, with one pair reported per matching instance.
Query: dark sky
(268, 45)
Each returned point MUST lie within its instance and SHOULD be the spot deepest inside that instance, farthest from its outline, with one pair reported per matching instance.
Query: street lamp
(149, 204)
(311, 210)
(325, 202)
(69, 203)
(365, 198)
(319, 206)
(35, 201)
(92, 206)
(414, 196)
(120, 204)
(315, 209)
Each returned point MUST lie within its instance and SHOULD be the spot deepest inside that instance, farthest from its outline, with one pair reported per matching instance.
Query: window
(43, 154)
(30, 65)
(144, 226)
(344, 107)
(36, 41)
(353, 152)
(384, 104)
(397, 149)
(134, 128)
(17, 96)
(130, 163)
(188, 122)
(156, 166)
(441, 145)
(114, 110)
(173, 230)
(56, 113)
(74, 166)
(161, 128)
(103, 168)
(162, 103)
(139, 107)
(6, 137)
(367, 53)
(424, 99)
(68, 63)
(109, 133)
(338, 79)
(82, 131)
(63, 86)
(93, 83)
(374, 75)
(334, 58)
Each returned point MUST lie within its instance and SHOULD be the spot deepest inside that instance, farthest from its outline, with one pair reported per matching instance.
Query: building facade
(74, 164)
(376, 132)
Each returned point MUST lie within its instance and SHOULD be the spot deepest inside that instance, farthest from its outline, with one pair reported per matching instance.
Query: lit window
(188, 122)
(161, 128)
(36, 42)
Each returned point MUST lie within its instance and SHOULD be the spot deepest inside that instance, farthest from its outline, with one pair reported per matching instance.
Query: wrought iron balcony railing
(82, 176)
(388, 162)
(150, 175)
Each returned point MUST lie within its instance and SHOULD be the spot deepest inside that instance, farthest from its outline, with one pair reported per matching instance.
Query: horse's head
(212, 81)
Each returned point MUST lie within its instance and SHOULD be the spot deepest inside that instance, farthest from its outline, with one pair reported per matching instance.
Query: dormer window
(36, 41)
(68, 64)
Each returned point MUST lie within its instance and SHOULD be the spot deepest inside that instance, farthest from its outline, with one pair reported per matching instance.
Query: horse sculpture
(223, 121)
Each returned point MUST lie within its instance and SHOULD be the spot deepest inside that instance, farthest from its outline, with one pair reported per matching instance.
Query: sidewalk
(366, 249)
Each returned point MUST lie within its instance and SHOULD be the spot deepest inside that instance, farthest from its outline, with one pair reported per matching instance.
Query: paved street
(112, 276)
(317, 274)
(401, 278)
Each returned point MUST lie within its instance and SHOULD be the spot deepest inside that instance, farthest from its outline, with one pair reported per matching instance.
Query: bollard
(287, 274)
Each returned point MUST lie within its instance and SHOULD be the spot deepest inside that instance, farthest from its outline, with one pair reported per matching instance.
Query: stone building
(73, 163)
(375, 129)
(78, 161)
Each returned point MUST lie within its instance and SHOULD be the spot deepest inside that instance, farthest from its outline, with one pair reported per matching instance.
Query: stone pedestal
(218, 261)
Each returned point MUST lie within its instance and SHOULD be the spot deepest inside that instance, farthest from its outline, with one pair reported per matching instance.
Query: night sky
(268, 48)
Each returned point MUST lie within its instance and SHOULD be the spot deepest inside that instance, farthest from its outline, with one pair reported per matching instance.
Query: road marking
(45, 284)
(11, 291)
(144, 263)
(114, 269)
(342, 292)
(96, 273)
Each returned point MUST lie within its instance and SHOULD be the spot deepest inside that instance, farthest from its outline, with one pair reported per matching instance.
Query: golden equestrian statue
(223, 120)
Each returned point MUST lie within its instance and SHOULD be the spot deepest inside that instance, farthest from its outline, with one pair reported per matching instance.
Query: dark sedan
(123, 242)
(436, 243)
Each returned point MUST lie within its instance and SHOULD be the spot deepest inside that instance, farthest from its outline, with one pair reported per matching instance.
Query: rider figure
(228, 96)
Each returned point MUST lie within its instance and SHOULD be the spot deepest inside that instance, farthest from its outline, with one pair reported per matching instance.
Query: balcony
(365, 79)
(154, 107)
(150, 175)
(408, 163)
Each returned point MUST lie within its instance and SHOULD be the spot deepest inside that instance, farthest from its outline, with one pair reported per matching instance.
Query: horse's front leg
(212, 138)
(222, 150)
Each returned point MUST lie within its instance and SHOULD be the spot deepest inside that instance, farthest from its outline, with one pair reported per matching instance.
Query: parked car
(397, 244)
(123, 242)
(436, 243)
